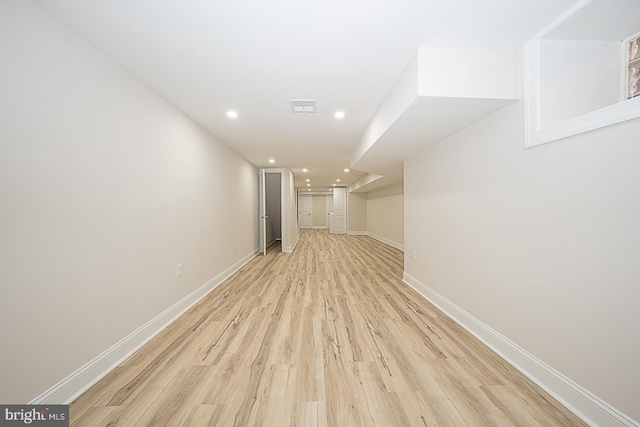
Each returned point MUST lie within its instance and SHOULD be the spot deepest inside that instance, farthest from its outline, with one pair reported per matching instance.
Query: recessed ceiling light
(309, 190)
(338, 180)
(334, 185)
(346, 170)
(308, 185)
(339, 114)
(307, 180)
(271, 161)
(232, 114)
(305, 170)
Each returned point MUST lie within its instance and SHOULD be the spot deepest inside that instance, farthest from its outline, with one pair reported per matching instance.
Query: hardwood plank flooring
(326, 336)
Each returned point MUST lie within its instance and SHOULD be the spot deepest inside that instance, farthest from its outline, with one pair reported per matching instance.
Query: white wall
(357, 212)
(385, 214)
(448, 72)
(105, 187)
(321, 205)
(403, 93)
(577, 77)
(541, 244)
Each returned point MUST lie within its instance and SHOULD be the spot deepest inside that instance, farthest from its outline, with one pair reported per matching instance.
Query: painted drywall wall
(105, 189)
(357, 212)
(567, 89)
(320, 212)
(385, 214)
(403, 93)
(540, 244)
(445, 72)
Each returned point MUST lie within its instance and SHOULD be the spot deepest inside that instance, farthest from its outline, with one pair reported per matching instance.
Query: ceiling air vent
(303, 105)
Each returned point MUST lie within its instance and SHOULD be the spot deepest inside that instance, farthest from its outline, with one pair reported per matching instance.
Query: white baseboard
(289, 249)
(593, 410)
(67, 390)
(320, 227)
(357, 233)
(396, 245)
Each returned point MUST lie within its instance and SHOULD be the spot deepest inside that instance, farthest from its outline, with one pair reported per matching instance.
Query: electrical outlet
(415, 255)
(179, 271)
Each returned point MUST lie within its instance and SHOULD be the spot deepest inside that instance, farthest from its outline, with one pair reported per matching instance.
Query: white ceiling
(207, 57)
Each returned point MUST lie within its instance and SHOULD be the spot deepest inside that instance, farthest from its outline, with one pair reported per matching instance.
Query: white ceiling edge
(360, 185)
(435, 97)
(401, 95)
(426, 121)
(470, 73)
(386, 180)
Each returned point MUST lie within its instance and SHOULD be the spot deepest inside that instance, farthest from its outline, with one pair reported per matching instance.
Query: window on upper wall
(582, 72)
(633, 66)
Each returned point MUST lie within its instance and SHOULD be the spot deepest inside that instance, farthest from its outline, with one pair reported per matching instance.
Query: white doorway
(273, 200)
(323, 210)
(315, 209)
(270, 206)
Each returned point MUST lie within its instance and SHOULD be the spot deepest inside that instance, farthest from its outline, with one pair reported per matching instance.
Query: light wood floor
(326, 336)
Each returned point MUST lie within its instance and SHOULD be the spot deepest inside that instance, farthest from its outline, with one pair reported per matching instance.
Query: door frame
(262, 203)
(300, 193)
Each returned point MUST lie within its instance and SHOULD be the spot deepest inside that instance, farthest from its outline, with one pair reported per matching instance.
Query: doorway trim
(262, 205)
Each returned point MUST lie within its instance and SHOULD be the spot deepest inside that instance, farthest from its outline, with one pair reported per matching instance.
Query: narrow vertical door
(262, 212)
(340, 210)
(330, 212)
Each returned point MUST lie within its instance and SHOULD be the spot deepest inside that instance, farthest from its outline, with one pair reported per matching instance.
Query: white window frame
(626, 109)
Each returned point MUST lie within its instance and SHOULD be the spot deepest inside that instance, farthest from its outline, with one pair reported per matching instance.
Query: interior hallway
(326, 336)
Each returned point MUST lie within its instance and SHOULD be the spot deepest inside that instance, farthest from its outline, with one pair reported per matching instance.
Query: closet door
(306, 211)
(330, 212)
(340, 210)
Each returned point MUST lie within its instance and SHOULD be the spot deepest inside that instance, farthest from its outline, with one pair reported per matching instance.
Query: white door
(340, 210)
(330, 212)
(305, 203)
(262, 213)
